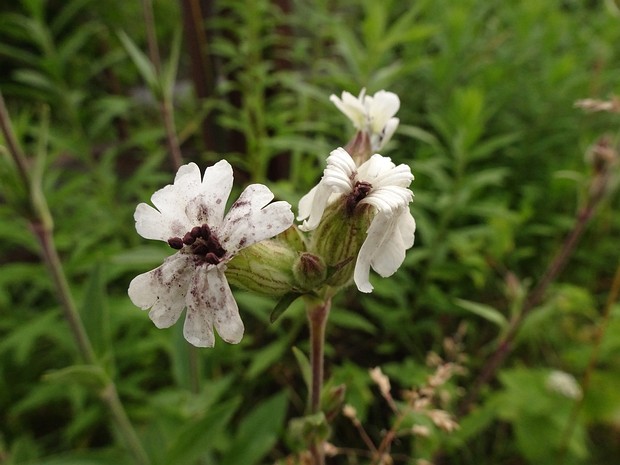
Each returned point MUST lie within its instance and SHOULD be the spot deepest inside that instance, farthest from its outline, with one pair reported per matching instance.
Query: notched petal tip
(364, 286)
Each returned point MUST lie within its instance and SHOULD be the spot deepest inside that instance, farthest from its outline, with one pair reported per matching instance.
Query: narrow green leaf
(485, 311)
(258, 432)
(201, 436)
(70, 10)
(352, 320)
(266, 357)
(86, 375)
(169, 73)
(304, 366)
(94, 311)
(142, 63)
(283, 304)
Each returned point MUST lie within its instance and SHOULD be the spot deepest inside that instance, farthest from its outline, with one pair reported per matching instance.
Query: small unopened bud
(349, 412)
(359, 147)
(310, 271)
(332, 401)
(382, 381)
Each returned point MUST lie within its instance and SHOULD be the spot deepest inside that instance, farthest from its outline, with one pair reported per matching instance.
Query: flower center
(202, 242)
(359, 192)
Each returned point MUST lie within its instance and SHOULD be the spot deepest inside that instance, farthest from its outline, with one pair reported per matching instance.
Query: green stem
(71, 314)
(110, 396)
(41, 224)
(317, 317)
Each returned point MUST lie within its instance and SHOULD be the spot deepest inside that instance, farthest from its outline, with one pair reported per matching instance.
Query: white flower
(189, 215)
(380, 184)
(374, 115)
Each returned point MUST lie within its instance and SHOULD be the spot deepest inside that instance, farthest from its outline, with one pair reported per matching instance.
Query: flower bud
(333, 400)
(359, 147)
(310, 429)
(265, 268)
(310, 271)
(339, 237)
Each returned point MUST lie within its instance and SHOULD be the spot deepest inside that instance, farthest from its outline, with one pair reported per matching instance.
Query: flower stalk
(317, 311)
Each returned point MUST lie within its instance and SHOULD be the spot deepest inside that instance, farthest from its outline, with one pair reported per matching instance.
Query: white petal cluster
(194, 278)
(375, 114)
(392, 229)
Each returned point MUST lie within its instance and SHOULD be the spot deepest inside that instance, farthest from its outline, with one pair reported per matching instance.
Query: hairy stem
(317, 317)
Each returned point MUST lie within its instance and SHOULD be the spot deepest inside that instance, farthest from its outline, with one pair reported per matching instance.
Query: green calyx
(338, 240)
(265, 268)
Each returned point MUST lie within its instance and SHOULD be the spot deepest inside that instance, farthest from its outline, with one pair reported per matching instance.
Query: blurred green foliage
(488, 126)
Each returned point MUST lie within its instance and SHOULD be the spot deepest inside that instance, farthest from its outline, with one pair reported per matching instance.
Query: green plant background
(489, 128)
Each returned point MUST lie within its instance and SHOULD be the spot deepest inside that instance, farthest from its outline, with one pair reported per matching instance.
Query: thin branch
(12, 144)
(317, 317)
(556, 266)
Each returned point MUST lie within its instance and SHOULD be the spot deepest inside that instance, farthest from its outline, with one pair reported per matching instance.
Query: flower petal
(340, 171)
(382, 138)
(210, 302)
(352, 107)
(251, 220)
(390, 253)
(306, 203)
(320, 199)
(163, 289)
(151, 224)
(172, 199)
(384, 106)
(380, 228)
(388, 199)
(374, 168)
(207, 205)
(188, 202)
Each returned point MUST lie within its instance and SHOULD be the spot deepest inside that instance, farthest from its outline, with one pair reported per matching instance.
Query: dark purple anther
(175, 243)
(359, 192)
(205, 231)
(188, 239)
